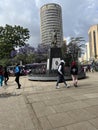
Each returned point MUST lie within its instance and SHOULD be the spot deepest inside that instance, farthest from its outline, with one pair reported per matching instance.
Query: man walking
(17, 74)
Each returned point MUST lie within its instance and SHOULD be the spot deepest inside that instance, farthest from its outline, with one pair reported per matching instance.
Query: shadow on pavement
(6, 95)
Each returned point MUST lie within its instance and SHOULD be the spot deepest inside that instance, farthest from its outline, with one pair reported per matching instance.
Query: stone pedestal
(55, 55)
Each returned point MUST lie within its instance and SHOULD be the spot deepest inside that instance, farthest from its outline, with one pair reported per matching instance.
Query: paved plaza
(39, 106)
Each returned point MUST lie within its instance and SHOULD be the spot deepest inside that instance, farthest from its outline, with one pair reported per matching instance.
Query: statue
(54, 38)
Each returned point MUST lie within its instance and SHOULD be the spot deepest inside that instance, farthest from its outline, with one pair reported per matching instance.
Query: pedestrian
(61, 72)
(6, 75)
(17, 76)
(74, 73)
(1, 75)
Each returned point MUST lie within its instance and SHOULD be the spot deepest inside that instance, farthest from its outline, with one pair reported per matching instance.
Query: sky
(77, 16)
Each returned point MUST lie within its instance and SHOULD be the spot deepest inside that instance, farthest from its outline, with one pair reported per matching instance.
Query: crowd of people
(89, 68)
(4, 74)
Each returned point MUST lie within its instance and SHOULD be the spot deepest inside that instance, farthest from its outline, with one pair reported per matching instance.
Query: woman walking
(74, 73)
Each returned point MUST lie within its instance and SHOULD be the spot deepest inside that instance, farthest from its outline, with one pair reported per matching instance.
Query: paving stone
(42, 110)
(92, 101)
(70, 106)
(59, 120)
(45, 123)
(94, 122)
(92, 95)
(39, 106)
(15, 114)
(79, 97)
(93, 110)
(80, 115)
(81, 126)
(57, 101)
(60, 128)
(63, 107)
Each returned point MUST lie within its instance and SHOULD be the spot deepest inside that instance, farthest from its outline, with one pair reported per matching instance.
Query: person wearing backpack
(74, 73)
(17, 75)
(61, 78)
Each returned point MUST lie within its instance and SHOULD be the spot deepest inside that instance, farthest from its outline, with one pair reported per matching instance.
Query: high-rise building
(50, 23)
(86, 55)
(93, 41)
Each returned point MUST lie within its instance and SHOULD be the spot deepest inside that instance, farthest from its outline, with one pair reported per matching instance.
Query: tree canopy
(75, 47)
(11, 37)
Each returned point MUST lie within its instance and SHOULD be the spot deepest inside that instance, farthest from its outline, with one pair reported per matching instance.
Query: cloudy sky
(78, 16)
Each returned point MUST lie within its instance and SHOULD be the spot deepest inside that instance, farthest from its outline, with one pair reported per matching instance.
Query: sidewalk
(39, 106)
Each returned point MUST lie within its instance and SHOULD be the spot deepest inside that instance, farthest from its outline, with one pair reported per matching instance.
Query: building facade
(87, 51)
(51, 24)
(93, 41)
(86, 56)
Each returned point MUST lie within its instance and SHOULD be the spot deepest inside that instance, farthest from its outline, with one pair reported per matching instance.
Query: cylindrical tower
(50, 22)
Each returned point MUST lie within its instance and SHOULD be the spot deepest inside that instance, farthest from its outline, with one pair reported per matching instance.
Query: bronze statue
(54, 38)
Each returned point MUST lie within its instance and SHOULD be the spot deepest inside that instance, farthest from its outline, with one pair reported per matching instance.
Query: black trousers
(17, 80)
(6, 78)
(61, 79)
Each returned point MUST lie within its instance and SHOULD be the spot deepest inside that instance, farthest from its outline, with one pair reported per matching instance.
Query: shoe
(57, 87)
(5, 83)
(67, 86)
(75, 85)
(19, 86)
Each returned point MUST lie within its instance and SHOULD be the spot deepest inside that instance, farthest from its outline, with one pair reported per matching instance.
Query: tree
(41, 53)
(11, 37)
(27, 54)
(75, 48)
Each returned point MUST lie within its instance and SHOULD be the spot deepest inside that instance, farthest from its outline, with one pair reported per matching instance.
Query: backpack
(17, 69)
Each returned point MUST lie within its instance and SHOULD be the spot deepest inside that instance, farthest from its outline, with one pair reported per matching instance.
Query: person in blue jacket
(17, 74)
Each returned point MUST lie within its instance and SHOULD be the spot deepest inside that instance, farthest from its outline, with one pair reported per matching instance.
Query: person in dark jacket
(6, 75)
(74, 73)
(17, 74)
(61, 78)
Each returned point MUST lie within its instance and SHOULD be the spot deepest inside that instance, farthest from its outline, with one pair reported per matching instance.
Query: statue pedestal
(54, 59)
